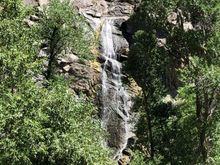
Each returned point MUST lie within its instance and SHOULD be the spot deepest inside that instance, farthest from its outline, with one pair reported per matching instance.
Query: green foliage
(49, 126)
(214, 157)
(18, 47)
(41, 125)
(167, 58)
(63, 29)
(139, 159)
(11, 9)
(144, 55)
(69, 25)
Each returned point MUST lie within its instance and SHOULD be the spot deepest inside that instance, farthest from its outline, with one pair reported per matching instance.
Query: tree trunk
(201, 121)
(52, 54)
(150, 134)
(149, 126)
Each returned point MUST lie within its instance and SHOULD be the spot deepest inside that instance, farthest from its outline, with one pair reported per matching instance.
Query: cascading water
(115, 99)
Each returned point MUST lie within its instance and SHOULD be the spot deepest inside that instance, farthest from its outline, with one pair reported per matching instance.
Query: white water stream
(115, 99)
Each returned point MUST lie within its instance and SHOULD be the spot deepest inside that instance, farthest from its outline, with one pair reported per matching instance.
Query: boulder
(29, 22)
(102, 59)
(69, 58)
(66, 68)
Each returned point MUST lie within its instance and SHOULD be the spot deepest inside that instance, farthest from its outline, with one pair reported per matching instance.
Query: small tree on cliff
(62, 27)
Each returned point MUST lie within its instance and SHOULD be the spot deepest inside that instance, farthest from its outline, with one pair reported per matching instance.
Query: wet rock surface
(115, 99)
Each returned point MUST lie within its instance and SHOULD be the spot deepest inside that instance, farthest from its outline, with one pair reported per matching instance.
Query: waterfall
(115, 99)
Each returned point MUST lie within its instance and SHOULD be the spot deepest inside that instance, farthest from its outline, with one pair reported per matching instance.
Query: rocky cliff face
(108, 18)
(96, 12)
(86, 77)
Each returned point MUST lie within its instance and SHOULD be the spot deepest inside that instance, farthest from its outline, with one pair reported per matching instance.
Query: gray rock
(29, 22)
(119, 43)
(84, 79)
(66, 68)
(30, 2)
(123, 57)
(172, 18)
(120, 8)
(34, 18)
(69, 58)
(43, 2)
(43, 52)
(94, 13)
(102, 59)
(187, 26)
(161, 42)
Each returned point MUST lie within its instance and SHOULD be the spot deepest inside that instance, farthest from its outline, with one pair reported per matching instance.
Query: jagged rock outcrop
(84, 78)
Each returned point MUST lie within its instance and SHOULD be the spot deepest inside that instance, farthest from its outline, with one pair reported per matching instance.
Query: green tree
(49, 126)
(175, 39)
(61, 27)
(11, 9)
(41, 125)
(18, 47)
(148, 76)
(203, 69)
